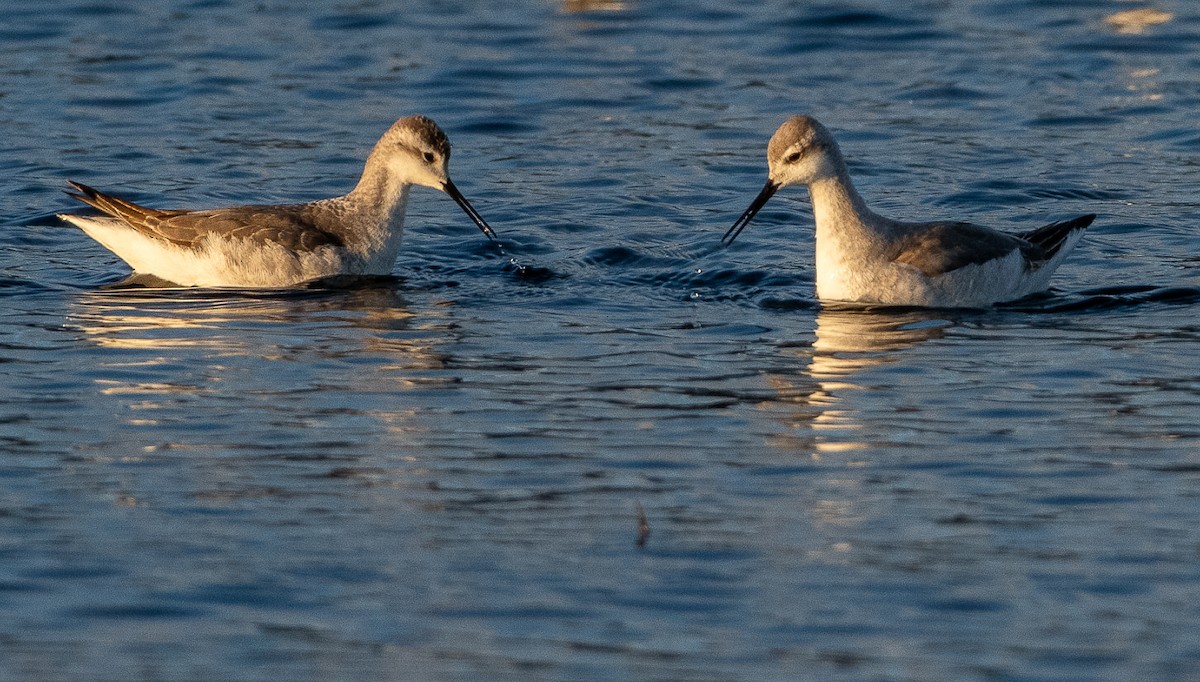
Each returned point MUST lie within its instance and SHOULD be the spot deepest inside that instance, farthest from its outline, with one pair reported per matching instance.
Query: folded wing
(289, 226)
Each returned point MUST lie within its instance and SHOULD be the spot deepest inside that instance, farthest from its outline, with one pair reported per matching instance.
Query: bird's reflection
(849, 341)
(580, 6)
(318, 375)
(188, 341)
(830, 394)
(139, 313)
(851, 338)
(1137, 21)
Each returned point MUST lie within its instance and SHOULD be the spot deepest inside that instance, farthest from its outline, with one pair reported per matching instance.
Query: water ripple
(446, 470)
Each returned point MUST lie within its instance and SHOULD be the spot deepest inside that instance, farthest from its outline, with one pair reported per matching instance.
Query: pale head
(415, 151)
(801, 152)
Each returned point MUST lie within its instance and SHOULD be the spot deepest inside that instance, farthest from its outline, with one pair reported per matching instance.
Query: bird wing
(288, 226)
(938, 248)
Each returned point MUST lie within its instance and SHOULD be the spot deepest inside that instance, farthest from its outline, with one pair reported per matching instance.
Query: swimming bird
(283, 245)
(864, 257)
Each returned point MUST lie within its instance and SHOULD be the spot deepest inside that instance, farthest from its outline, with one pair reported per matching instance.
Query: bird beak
(449, 188)
(740, 224)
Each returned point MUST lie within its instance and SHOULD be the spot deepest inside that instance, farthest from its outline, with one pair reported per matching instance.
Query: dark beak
(740, 224)
(457, 196)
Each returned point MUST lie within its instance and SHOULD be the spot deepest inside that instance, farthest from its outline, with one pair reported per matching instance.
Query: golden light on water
(1137, 21)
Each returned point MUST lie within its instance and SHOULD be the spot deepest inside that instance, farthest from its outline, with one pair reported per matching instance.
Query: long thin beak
(458, 197)
(740, 224)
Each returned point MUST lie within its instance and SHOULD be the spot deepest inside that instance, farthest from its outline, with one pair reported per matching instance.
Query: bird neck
(848, 234)
(375, 209)
(380, 193)
(838, 210)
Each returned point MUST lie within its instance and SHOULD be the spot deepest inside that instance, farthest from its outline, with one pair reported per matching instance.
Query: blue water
(439, 476)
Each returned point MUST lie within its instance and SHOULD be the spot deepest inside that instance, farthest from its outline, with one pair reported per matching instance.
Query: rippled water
(451, 474)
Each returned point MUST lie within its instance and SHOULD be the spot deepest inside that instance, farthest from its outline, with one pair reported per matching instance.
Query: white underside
(843, 277)
(222, 262)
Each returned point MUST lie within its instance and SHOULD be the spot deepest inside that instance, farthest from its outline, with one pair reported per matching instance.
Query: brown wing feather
(288, 226)
(938, 248)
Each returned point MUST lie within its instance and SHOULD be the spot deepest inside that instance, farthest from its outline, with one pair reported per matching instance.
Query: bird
(863, 257)
(285, 245)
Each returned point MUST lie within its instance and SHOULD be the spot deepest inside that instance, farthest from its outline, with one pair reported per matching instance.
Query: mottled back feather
(292, 226)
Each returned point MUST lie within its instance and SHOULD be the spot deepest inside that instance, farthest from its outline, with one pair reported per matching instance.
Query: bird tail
(1053, 237)
(113, 206)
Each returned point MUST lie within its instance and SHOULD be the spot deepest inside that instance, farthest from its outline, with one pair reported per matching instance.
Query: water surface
(439, 476)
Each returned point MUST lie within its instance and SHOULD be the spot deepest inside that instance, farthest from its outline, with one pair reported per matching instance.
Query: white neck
(840, 212)
(848, 233)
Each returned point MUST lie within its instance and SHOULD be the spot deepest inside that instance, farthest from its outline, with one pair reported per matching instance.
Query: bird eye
(793, 157)
(429, 157)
